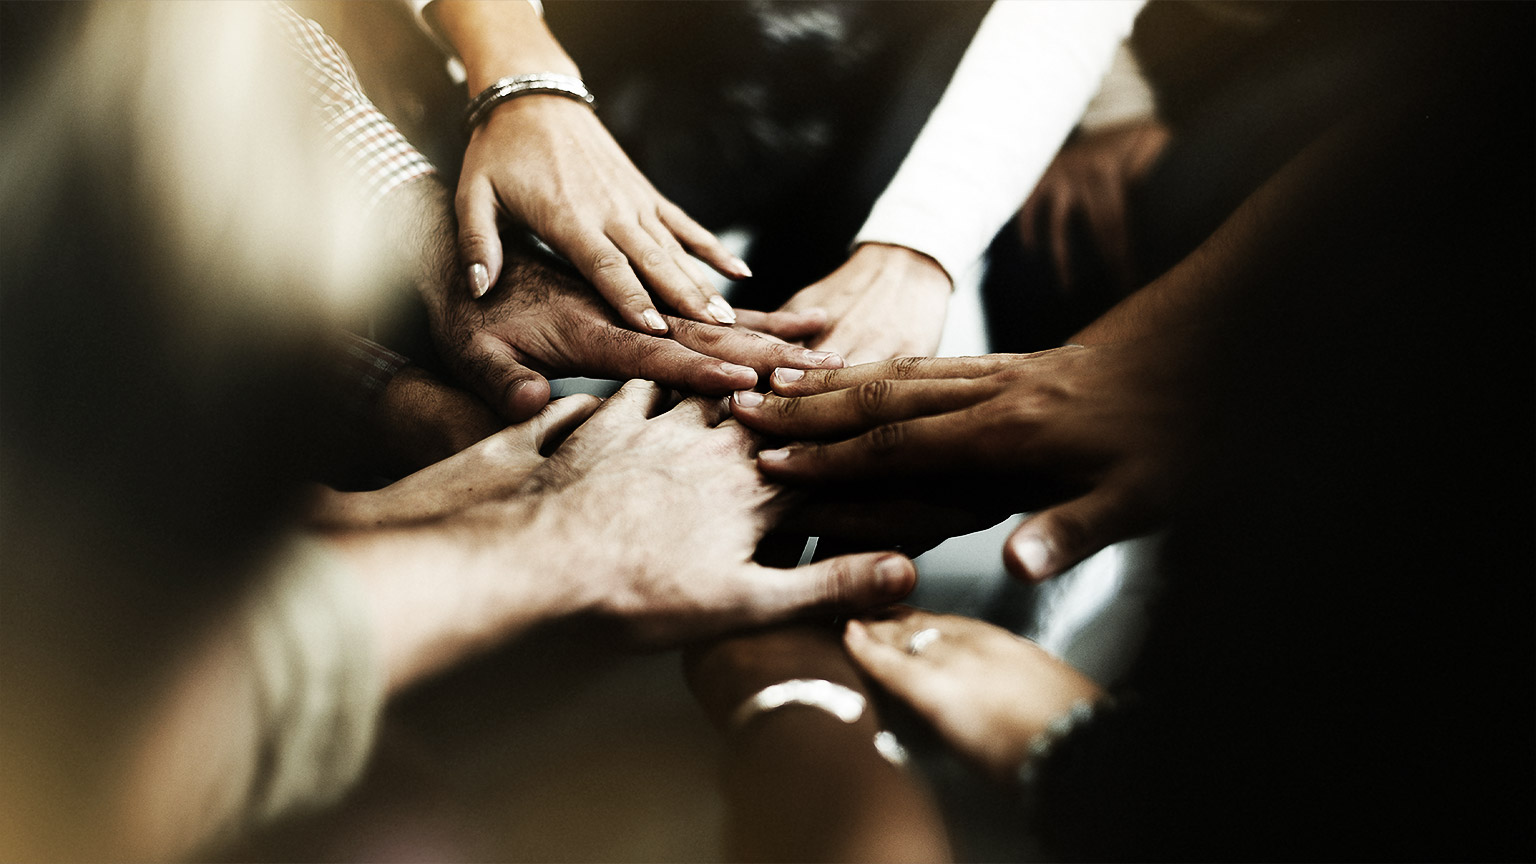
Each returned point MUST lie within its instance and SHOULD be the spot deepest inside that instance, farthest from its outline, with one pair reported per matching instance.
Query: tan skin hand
(885, 301)
(1092, 435)
(543, 320)
(547, 162)
(1091, 179)
(988, 692)
(661, 518)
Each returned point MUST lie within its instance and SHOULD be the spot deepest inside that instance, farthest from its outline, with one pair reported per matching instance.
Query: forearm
(803, 785)
(1294, 217)
(497, 39)
(441, 592)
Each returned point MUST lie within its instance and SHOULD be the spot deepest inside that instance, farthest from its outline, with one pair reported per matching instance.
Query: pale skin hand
(1092, 178)
(548, 163)
(1090, 434)
(650, 523)
(988, 692)
(885, 301)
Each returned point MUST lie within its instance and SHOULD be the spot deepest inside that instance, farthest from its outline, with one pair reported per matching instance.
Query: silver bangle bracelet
(504, 89)
(835, 699)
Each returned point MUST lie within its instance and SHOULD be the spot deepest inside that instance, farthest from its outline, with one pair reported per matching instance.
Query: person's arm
(547, 162)
(800, 783)
(1018, 91)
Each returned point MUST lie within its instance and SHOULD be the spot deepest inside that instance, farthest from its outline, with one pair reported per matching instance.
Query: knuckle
(655, 258)
(871, 398)
(884, 440)
(608, 262)
(837, 582)
(906, 367)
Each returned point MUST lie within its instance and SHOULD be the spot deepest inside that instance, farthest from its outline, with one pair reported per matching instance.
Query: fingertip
(740, 377)
(854, 632)
(720, 310)
(653, 321)
(479, 277)
(1028, 556)
(784, 377)
(746, 399)
(895, 576)
(526, 398)
(771, 459)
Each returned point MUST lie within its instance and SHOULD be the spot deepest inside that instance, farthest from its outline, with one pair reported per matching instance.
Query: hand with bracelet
(809, 773)
(996, 698)
(542, 157)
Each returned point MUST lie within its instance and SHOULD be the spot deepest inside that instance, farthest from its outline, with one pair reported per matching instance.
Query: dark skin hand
(543, 321)
(1089, 433)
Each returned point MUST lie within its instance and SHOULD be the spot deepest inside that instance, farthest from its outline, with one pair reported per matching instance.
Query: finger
(1051, 541)
(845, 584)
(760, 353)
(854, 410)
(479, 239)
(1061, 239)
(798, 382)
(907, 677)
(791, 325)
(706, 304)
(701, 410)
(701, 242)
(628, 354)
(607, 268)
(1105, 209)
(659, 269)
(926, 445)
(560, 418)
(514, 390)
(637, 398)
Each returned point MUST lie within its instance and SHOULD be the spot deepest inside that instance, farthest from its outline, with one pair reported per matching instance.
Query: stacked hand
(987, 691)
(885, 301)
(1092, 434)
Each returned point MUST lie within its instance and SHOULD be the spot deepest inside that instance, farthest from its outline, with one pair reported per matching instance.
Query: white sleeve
(1018, 91)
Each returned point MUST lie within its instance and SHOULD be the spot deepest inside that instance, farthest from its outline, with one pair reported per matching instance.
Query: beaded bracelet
(554, 83)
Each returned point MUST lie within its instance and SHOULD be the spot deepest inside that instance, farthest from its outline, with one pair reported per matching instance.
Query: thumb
(560, 418)
(1051, 541)
(847, 583)
(479, 240)
(513, 389)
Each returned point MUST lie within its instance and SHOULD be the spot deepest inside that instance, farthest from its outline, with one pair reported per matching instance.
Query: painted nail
(892, 573)
(786, 375)
(824, 358)
(773, 455)
(741, 268)
(721, 310)
(1033, 554)
(652, 319)
(479, 279)
(748, 398)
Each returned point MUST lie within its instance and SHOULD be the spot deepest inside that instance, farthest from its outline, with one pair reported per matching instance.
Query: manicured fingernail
(748, 398)
(1033, 554)
(828, 359)
(652, 319)
(786, 375)
(721, 310)
(892, 573)
(479, 279)
(742, 271)
(775, 456)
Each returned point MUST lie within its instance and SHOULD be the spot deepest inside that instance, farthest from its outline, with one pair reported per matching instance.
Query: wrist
(904, 264)
(498, 39)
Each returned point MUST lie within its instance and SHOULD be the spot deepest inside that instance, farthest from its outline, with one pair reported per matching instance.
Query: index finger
(804, 382)
(926, 445)
(841, 413)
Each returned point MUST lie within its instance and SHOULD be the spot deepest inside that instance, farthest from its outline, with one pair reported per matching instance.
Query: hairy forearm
(441, 592)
